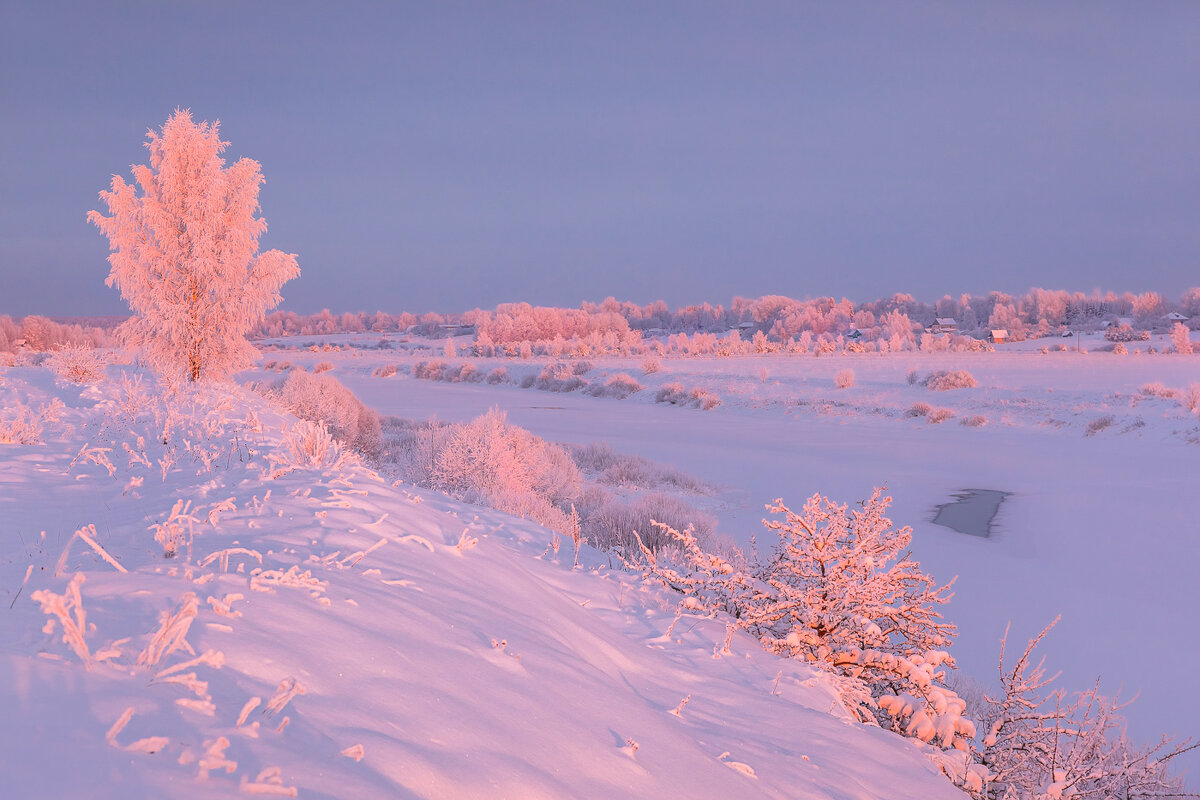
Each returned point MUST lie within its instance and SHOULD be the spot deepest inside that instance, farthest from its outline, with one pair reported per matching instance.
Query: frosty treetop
(185, 252)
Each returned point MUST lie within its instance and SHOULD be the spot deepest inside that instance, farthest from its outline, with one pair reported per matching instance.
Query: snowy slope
(390, 643)
(1099, 528)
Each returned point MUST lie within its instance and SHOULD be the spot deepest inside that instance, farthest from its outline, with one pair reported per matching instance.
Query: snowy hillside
(1098, 452)
(320, 632)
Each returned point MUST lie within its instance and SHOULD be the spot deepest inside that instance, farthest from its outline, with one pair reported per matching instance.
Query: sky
(445, 156)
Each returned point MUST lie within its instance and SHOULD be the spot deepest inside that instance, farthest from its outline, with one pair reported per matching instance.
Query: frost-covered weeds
(599, 461)
(323, 400)
(78, 363)
(841, 591)
(21, 424)
(492, 462)
(618, 386)
(938, 415)
(946, 380)
(1099, 424)
(844, 379)
(675, 394)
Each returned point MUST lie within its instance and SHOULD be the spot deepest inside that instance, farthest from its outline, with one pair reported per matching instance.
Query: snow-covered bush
(386, 371)
(1041, 743)
(1158, 389)
(677, 395)
(651, 364)
(497, 375)
(322, 366)
(1191, 398)
(974, 421)
(324, 400)
(78, 363)
(1180, 340)
(839, 590)
(619, 386)
(428, 370)
(558, 377)
(946, 380)
(600, 461)
(612, 525)
(938, 415)
(1124, 332)
(1099, 424)
(20, 424)
(307, 445)
(913, 377)
(1119, 349)
(918, 409)
(844, 379)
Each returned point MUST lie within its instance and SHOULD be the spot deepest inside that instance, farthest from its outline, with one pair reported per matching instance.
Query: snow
(329, 634)
(1099, 528)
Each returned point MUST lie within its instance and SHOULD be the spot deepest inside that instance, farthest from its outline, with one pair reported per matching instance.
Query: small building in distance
(1175, 316)
(944, 325)
(998, 336)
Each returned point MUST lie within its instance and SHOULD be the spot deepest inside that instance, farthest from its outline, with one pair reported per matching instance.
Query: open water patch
(973, 511)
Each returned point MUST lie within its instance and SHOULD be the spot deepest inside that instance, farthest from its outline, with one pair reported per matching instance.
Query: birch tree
(184, 241)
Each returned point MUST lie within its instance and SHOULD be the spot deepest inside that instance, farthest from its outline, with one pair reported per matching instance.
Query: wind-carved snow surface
(1099, 528)
(320, 632)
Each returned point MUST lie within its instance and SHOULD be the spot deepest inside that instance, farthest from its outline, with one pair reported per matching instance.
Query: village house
(944, 325)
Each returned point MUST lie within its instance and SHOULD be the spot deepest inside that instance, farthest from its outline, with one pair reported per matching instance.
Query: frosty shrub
(844, 379)
(676, 395)
(20, 424)
(913, 377)
(429, 370)
(1158, 389)
(497, 375)
(558, 377)
(1125, 333)
(78, 363)
(1099, 424)
(1119, 349)
(307, 445)
(945, 380)
(1180, 341)
(627, 471)
(839, 590)
(323, 366)
(938, 415)
(1041, 743)
(974, 421)
(918, 409)
(386, 371)
(488, 461)
(650, 365)
(619, 386)
(323, 399)
(612, 525)
(185, 253)
(1191, 398)
(489, 458)
(582, 367)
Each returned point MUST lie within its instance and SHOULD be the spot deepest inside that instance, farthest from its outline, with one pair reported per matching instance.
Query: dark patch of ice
(972, 512)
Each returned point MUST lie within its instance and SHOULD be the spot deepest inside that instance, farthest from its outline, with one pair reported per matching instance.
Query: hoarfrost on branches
(185, 253)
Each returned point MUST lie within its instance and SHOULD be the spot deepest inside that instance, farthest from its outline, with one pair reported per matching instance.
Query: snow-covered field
(1101, 525)
(322, 632)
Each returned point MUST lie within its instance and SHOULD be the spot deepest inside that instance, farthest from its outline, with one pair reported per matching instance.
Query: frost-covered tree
(1180, 339)
(185, 253)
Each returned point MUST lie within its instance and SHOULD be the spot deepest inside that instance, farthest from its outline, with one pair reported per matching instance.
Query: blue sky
(450, 155)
